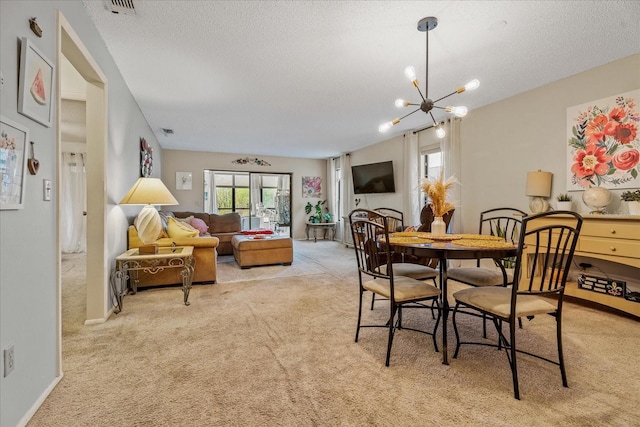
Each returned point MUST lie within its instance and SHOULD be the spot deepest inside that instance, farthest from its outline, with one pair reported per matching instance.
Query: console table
(613, 238)
(130, 262)
(326, 227)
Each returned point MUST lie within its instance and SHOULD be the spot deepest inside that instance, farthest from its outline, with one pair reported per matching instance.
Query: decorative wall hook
(33, 164)
(35, 27)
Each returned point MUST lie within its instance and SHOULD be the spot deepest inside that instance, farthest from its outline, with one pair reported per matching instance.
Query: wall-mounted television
(373, 178)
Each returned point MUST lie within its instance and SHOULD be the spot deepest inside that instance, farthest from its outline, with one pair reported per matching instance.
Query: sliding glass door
(263, 200)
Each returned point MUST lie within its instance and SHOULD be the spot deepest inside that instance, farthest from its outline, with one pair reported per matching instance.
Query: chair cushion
(497, 300)
(406, 288)
(415, 271)
(478, 276)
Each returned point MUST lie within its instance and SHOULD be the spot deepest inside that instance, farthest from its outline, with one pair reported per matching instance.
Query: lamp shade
(148, 191)
(539, 184)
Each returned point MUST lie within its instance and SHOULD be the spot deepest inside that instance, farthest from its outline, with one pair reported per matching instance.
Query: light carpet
(280, 352)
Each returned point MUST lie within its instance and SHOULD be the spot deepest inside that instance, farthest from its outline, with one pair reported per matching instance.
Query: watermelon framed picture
(36, 83)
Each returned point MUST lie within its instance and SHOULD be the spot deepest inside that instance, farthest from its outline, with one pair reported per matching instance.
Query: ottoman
(249, 252)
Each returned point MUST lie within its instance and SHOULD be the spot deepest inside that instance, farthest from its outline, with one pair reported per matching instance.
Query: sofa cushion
(200, 225)
(177, 229)
(226, 223)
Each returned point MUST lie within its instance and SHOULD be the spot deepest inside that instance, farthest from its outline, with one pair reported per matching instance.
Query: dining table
(450, 247)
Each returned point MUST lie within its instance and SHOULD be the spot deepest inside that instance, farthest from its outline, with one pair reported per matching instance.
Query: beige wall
(197, 161)
(504, 140)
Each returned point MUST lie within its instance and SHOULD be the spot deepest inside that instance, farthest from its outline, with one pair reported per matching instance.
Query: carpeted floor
(279, 352)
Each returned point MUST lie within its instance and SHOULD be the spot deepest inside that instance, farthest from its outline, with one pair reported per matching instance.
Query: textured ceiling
(314, 79)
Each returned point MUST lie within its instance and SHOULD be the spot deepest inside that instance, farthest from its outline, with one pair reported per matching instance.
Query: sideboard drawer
(615, 229)
(615, 247)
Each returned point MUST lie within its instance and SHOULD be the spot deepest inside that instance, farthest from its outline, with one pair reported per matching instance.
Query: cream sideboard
(614, 238)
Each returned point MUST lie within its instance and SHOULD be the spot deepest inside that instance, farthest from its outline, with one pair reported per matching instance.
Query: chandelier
(427, 104)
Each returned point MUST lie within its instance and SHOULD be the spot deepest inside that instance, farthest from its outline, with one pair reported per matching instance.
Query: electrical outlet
(9, 361)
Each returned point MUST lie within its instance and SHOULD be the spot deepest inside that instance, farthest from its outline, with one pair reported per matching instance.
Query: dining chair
(501, 222)
(376, 274)
(403, 266)
(395, 218)
(538, 289)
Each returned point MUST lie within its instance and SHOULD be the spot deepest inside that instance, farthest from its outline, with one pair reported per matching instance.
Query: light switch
(46, 190)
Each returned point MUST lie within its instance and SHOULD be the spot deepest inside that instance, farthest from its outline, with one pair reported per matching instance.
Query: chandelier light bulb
(473, 84)
(410, 72)
(388, 125)
(458, 111)
(440, 133)
(401, 103)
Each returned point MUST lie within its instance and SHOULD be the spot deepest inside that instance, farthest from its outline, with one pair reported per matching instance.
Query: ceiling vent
(167, 132)
(121, 6)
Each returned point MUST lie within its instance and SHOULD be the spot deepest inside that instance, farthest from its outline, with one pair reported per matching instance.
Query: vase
(597, 198)
(634, 207)
(563, 205)
(438, 227)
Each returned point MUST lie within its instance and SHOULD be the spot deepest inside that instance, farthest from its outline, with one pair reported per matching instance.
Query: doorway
(70, 46)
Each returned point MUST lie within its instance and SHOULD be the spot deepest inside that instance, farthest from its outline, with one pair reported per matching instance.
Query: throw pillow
(163, 217)
(199, 225)
(186, 220)
(177, 229)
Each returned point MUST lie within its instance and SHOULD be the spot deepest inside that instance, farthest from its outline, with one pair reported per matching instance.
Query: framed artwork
(36, 83)
(13, 164)
(311, 186)
(183, 180)
(146, 159)
(603, 145)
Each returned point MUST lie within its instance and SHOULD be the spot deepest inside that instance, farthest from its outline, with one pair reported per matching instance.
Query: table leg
(445, 308)
(119, 277)
(306, 230)
(187, 277)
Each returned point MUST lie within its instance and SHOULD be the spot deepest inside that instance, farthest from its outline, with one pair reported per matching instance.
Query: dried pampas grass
(436, 190)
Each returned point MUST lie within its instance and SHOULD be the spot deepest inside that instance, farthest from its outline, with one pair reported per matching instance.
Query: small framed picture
(13, 164)
(36, 83)
(183, 180)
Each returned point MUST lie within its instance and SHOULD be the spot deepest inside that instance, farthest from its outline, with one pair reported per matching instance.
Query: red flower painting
(604, 145)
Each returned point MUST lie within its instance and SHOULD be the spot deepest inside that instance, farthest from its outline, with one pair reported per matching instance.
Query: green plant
(564, 197)
(631, 196)
(322, 213)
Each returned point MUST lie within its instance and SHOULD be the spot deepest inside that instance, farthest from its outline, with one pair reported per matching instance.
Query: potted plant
(321, 213)
(564, 202)
(633, 201)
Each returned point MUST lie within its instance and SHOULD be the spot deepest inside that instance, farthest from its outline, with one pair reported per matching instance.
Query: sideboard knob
(612, 231)
(612, 249)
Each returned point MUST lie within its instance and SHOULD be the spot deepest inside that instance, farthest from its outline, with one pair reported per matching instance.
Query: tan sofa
(204, 252)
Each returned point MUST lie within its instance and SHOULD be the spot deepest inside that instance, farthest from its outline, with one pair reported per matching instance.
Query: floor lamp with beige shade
(149, 192)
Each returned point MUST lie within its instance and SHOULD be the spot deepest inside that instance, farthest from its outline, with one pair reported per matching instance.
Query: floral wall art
(311, 186)
(603, 143)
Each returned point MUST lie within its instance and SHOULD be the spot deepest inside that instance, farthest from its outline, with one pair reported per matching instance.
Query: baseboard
(27, 417)
(101, 320)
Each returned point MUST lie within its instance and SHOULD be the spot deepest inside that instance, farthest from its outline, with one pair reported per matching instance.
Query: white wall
(197, 161)
(391, 149)
(28, 248)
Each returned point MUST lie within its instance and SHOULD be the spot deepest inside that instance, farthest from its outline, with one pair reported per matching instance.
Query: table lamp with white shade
(148, 192)
(539, 188)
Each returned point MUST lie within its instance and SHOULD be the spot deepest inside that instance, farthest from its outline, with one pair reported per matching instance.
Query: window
(232, 193)
(268, 190)
(431, 163)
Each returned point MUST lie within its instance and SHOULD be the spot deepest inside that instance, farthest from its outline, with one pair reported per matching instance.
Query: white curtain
(332, 166)
(450, 147)
(347, 192)
(73, 203)
(411, 179)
